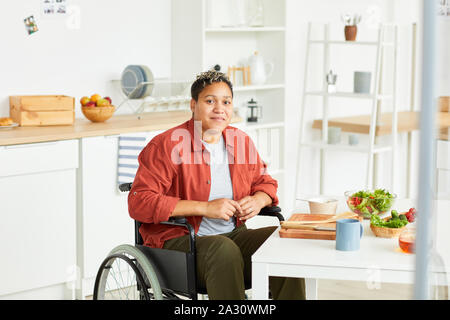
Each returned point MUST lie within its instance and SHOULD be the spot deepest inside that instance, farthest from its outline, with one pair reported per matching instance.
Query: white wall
(63, 59)
(344, 170)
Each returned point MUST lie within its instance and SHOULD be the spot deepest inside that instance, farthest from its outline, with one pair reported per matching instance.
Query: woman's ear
(192, 105)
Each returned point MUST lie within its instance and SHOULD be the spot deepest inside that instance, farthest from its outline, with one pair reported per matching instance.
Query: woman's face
(214, 107)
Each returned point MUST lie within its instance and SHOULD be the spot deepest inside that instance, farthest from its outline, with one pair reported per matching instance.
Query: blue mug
(348, 234)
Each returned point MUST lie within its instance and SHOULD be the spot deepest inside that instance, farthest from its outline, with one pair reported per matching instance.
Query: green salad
(368, 203)
(396, 220)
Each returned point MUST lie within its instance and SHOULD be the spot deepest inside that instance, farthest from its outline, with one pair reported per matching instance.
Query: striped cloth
(130, 145)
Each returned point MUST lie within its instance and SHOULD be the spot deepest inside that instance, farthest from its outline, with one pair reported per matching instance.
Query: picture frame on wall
(54, 7)
(30, 25)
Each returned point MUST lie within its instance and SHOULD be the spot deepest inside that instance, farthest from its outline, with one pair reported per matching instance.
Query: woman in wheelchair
(211, 174)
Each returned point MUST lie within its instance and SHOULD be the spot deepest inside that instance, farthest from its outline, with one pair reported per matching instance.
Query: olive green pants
(224, 264)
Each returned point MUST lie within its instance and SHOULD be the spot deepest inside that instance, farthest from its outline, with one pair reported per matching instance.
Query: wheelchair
(142, 273)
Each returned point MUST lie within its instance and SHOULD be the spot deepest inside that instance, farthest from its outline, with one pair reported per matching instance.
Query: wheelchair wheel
(126, 274)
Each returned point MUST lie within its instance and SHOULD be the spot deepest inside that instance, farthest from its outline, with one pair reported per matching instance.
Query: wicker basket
(98, 114)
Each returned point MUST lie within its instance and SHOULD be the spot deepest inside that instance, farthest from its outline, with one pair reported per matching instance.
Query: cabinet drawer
(443, 155)
(38, 157)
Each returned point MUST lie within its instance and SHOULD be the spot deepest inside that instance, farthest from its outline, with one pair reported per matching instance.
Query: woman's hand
(252, 205)
(222, 209)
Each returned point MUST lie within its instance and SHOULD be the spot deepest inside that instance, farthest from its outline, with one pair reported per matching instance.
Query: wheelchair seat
(145, 273)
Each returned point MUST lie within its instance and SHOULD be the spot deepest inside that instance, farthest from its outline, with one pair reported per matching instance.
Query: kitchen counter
(84, 128)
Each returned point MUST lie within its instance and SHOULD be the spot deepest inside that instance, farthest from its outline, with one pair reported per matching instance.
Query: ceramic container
(361, 82)
(260, 70)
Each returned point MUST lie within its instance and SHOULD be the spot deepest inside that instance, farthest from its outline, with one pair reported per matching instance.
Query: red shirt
(175, 166)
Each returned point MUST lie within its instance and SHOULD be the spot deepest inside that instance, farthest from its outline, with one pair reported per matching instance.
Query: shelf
(346, 147)
(348, 95)
(258, 87)
(245, 29)
(407, 121)
(353, 43)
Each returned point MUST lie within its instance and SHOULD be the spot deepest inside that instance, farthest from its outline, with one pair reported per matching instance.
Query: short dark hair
(207, 78)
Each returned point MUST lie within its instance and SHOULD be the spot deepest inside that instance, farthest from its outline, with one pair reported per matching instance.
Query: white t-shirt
(221, 187)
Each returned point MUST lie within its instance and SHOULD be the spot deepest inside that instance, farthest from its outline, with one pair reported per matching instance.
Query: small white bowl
(322, 205)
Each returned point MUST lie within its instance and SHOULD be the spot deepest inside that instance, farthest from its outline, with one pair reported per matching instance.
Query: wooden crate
(42, 110)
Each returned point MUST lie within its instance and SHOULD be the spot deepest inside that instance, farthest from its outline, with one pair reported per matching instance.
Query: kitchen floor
(356, 290)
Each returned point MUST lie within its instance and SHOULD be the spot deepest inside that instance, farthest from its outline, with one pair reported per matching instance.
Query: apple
(95, 97)
(84, 100)
(102, 102)
(90, 104)
(109, 99)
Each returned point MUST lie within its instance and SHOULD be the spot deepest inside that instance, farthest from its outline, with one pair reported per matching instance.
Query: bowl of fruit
(366, 203)
(97, 108)
(393, 226)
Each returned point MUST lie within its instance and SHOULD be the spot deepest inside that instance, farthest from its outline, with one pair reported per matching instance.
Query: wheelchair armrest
(177, 220)
(274, 211)
(182, 222)
(124, 187)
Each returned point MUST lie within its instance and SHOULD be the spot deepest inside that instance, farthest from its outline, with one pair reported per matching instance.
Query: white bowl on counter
(322, 205)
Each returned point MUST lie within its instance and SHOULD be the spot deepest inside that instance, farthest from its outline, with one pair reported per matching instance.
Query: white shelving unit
(376, 97)
(205, 46)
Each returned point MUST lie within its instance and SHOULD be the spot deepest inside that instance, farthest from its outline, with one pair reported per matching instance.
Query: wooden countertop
(82, 128)
(407, 121)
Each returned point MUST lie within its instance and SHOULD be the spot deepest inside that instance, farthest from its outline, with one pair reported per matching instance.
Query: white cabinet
(104, 222)
(103, 219)
(207, 34)
(38, 209)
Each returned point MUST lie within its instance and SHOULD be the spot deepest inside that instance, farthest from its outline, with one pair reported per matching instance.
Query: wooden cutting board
(309, 234)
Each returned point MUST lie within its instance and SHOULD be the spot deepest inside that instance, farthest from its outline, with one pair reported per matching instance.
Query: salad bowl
(389, 227)
(368, 202)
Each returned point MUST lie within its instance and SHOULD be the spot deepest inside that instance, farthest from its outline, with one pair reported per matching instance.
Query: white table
(378, 260)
